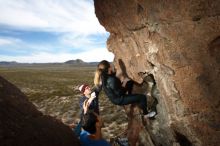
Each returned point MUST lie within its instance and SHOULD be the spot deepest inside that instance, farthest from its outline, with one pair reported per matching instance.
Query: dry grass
(51, 89)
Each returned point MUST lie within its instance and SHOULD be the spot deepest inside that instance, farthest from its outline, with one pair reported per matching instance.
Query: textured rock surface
(22, 125)
(178, 42)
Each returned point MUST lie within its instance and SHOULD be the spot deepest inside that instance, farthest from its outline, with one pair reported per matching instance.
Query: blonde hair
(102, 67)
(97, 77)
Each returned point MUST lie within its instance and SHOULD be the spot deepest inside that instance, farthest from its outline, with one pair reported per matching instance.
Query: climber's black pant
(140, 99)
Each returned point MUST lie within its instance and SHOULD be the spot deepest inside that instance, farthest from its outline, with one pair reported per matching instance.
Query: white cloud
(5, 42)
(82, 41)
(96, 55)
(76, 16)
(72, 23)
(89, 56)
(20, 46)
(9, 41)
(75, 40)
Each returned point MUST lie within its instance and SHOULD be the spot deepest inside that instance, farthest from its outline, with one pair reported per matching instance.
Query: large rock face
(21, 124)
(178, 42)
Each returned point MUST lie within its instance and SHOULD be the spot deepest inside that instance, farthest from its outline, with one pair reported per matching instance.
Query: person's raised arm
(92, 97)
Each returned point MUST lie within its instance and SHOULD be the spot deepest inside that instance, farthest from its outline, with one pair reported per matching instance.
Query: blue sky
(51, 31)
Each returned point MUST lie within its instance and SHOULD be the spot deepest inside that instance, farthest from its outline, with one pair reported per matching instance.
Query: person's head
(91, 121)
(85, 89)
(104, 67)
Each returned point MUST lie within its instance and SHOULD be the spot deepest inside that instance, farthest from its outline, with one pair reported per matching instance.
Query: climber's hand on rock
(124, 82)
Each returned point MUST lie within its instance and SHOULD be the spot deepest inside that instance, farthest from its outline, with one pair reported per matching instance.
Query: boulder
(21, 124)
(178, 42)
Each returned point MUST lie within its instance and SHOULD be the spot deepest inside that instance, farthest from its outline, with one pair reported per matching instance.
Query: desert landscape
(53, 89)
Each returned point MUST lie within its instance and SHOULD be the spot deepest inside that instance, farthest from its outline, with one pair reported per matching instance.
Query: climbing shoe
(150, 114)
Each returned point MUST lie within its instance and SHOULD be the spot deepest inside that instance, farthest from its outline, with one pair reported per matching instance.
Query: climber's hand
(124, 82)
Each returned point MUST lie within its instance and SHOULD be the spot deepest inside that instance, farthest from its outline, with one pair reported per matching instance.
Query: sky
(42, 31)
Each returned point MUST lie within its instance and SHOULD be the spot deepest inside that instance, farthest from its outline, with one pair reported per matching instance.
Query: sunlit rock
(178, 43)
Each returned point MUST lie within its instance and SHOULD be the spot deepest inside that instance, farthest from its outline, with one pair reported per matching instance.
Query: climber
(88, 102)
(91, 134)
(106, 78)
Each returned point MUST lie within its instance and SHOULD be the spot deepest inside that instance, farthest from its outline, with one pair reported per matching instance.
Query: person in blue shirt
(92, 103)
(91, 96)
(91, 134)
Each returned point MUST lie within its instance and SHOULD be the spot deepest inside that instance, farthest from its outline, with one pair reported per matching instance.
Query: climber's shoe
(150, 114)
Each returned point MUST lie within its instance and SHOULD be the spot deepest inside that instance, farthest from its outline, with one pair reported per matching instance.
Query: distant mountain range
(7, 63)
(77, 62)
